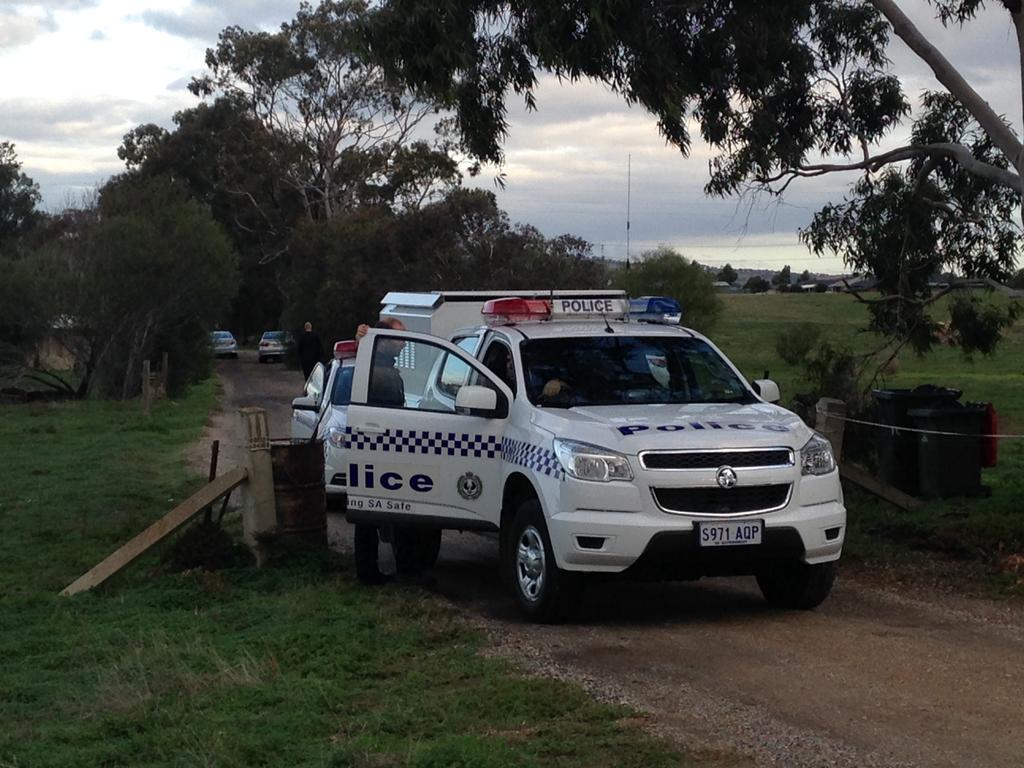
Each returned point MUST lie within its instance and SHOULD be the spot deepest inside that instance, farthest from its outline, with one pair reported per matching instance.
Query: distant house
(723, 287)
(853, 283)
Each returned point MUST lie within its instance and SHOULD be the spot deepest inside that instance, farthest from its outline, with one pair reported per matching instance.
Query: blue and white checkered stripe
(424, 442)
(532, 457)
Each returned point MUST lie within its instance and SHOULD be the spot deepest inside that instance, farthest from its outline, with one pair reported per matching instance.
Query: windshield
(274, 336)
(221, 335)
(624, 370)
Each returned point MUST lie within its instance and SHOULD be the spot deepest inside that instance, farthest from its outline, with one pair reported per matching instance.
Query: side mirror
(306, 403)
(478, 401)
(767, 389)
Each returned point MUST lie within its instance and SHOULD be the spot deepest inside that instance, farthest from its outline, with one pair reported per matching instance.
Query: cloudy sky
(76, 75)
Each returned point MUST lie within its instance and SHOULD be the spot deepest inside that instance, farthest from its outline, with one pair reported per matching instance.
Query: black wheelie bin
(949, 449)
(898, 449)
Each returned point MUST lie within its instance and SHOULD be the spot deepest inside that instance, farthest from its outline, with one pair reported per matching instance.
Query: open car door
(417, 459)
(306, 409)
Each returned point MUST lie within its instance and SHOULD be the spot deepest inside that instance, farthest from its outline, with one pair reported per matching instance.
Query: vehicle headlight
(816, 457)
(589, 462)
(335, 437)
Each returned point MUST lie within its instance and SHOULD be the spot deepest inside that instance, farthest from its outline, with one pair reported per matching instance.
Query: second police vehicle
(590, 444)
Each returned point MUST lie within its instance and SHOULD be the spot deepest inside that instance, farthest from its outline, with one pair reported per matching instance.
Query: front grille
(772, 457)
(722, 501)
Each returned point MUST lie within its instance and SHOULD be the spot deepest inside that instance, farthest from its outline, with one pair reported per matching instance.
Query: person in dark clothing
(388, 389)
(310, 349)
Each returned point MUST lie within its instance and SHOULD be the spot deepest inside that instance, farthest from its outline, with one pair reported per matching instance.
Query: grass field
(290, 666)
(989, 530)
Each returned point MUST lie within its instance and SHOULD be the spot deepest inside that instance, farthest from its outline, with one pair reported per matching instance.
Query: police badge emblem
(470, 486)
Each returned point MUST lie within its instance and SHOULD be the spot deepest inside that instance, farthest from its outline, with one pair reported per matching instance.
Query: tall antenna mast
(629, 179)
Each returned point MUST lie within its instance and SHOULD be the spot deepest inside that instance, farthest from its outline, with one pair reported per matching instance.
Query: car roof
(560, 329)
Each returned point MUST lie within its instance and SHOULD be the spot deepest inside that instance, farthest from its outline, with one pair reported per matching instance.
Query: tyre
(544, 592)
(416, 549)
(366, 541)
(261, 359)
(797, 585)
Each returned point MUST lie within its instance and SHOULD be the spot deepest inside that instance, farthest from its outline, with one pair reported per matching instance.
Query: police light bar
(345, 350)
(515, 310)
(578, 307)
(655, 309)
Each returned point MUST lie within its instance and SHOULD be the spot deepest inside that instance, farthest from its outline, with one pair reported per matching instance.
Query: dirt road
(877, 676)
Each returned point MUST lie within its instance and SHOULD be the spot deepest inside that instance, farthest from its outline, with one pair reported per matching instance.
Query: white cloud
(204, 19)
(17, 29)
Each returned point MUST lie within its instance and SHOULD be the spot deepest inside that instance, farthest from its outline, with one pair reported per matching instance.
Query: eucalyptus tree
(344, 121)
(780, 91)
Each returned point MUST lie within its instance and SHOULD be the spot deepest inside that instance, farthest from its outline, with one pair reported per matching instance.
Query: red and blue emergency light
(345, 350)
(515, 310)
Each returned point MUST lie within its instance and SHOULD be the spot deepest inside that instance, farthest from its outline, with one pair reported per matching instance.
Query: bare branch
(946, 73)
(957, 152)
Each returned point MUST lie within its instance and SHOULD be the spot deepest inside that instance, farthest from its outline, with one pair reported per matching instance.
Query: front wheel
(545, 593)
(797, 585)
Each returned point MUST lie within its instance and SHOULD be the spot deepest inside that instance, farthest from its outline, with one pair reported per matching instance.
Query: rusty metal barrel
(299, 491)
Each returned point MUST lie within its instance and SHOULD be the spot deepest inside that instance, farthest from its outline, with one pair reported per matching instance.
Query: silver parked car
(223, 344)
(274, 345)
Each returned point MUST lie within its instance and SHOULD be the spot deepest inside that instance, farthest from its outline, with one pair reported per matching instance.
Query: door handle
(372, 429)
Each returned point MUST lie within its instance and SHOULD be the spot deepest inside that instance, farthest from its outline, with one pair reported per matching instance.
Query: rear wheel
(797, 585)
(545, 593)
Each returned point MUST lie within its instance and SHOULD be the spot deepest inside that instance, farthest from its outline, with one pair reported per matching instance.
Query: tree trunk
(946, 73)
(1018, 25)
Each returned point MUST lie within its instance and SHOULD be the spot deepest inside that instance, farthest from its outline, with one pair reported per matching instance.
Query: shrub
(794, 344)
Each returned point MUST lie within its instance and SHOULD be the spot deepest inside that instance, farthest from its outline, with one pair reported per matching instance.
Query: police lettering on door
(367, 477)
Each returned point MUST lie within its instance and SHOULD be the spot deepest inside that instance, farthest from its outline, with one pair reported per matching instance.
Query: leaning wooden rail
(159, 530)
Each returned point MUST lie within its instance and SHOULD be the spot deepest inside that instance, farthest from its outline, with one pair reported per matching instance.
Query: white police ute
(592, 444)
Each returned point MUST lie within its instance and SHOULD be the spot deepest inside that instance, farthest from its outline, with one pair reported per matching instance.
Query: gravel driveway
(883, 674)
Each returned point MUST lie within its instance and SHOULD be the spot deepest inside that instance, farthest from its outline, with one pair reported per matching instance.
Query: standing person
(311, 350)
(386, 388)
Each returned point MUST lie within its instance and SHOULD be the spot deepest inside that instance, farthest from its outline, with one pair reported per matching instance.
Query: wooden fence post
(146, 394)
(163, 373)
(259, 511)
(830, 422)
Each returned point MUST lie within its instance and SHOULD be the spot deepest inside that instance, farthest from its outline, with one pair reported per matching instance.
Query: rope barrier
(893, 428)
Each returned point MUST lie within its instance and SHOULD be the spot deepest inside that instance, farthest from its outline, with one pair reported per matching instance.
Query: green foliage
(294, 664)
(19, 196)
(834, 370)
(905, 226)
(795, 343)
(756, 284)
(343, 267)
(754, 80)
(978, 326)
(663, 272)
(727, 274)
(783, 278)
(148, 272)
(348, 128)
